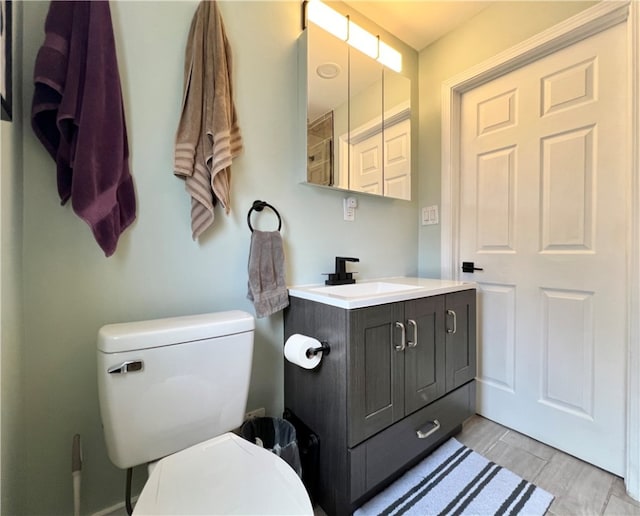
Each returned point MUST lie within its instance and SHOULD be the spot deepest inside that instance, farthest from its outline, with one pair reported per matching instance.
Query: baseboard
(118, 509)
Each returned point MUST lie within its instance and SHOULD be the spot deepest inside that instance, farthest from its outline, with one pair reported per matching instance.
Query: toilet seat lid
(224, 475)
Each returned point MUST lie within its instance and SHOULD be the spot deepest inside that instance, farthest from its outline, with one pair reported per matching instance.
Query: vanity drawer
(382, 455)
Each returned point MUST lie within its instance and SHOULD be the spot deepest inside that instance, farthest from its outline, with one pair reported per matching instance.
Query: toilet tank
(167, 384)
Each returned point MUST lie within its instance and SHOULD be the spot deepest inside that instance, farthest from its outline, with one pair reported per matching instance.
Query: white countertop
(364, 293)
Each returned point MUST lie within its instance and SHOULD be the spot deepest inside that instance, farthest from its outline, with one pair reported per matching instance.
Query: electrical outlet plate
(259, 412)
(350, 204)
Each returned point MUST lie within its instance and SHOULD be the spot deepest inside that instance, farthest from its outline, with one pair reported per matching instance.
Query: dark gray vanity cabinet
(392, 372)
(397, 382)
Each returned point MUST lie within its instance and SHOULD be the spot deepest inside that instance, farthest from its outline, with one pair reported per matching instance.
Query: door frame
(587, 23)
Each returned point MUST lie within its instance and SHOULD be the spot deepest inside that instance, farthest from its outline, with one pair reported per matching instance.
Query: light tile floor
(579, 488)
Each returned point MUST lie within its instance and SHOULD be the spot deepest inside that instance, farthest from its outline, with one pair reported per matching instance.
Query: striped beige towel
(208, 136)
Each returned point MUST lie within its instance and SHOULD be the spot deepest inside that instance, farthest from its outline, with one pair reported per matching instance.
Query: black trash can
(277, 435)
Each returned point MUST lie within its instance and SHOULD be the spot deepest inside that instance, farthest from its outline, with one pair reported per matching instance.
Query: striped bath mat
(457, 480)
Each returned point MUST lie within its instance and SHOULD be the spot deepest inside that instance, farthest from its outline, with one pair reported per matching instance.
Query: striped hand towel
(208, 136)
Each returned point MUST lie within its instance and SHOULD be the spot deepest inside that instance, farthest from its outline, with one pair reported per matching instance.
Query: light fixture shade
(390, 57)
(343, 28)
(331, 21)
(364, 41)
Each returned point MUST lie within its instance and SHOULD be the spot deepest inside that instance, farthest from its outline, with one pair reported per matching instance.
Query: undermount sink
(363, 289)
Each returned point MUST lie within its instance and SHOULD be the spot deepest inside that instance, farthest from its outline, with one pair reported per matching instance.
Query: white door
(544, 212)
(397, 160)
(366, 165)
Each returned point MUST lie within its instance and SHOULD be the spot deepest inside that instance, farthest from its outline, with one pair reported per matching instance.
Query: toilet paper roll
(295, 351)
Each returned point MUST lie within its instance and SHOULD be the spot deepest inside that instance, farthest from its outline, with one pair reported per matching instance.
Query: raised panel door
(545, 213)
(397, 160)
(376, 397)
(424, 356)
(460, 338)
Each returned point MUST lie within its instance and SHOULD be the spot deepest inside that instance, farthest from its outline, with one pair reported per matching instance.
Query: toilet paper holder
(311, 352)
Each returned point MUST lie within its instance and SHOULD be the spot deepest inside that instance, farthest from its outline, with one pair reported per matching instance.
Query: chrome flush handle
(130, 366)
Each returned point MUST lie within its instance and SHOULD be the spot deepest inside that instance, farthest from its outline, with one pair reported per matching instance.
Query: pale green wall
(496, 28)
(11, 343)
(71, 289)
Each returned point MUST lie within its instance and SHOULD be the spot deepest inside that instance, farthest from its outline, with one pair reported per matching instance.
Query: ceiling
(418, 22)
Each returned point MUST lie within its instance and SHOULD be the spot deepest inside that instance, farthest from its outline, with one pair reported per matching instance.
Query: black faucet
(341, 276)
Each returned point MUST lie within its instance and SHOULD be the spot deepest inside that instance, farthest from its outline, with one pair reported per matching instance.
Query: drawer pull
(432, 427)
(455, 322)
(403, 337)
(413, 343)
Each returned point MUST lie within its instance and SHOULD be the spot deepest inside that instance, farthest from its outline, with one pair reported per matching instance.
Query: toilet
(171, 390)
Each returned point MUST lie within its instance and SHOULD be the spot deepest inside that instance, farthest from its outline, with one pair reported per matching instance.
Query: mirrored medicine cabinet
(358, 118)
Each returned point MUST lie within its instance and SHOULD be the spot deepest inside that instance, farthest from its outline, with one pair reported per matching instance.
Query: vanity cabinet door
(460, 338)
(376, 370)
(424, 356)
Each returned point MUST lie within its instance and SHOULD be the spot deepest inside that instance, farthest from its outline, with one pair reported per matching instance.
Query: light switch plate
(429, 215)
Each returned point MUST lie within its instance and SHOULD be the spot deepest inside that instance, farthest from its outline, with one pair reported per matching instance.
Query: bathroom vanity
(398, 380)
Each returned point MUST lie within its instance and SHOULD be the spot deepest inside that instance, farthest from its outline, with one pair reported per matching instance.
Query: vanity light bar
(364, 41)
(343, 28)
(390, 57)
(328, 19)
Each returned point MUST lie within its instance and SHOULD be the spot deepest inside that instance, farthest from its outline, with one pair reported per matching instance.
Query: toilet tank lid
(132, 336)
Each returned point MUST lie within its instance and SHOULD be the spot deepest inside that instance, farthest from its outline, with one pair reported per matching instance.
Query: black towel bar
(259, 206)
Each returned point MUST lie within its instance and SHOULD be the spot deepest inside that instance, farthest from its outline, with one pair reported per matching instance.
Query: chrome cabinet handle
(403, 333)
(413, 343)
(130, 366)
(435, 426)
(455, 322)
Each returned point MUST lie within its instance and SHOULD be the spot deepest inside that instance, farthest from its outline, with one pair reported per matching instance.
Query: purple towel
(78, 115)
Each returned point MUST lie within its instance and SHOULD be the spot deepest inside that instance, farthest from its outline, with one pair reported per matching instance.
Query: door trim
(587, 23)
(632, 473)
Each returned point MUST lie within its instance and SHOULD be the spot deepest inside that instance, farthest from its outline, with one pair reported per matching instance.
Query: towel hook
(259, 206)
